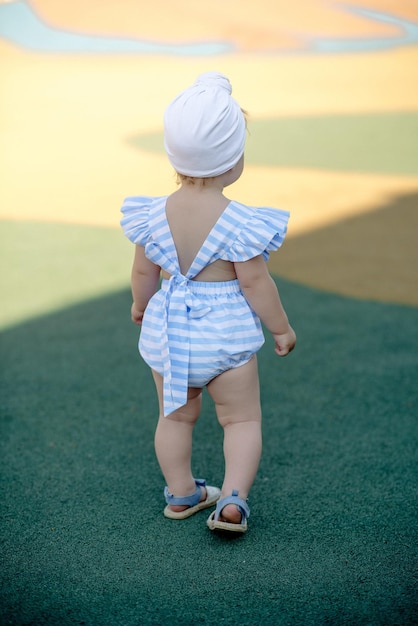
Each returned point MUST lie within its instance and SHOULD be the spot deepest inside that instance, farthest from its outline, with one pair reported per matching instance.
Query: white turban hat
(204, 128)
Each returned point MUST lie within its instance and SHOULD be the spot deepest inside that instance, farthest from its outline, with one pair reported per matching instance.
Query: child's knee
(251, 419)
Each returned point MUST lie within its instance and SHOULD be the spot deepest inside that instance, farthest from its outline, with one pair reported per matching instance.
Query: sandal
(193, 501)
(214, 523)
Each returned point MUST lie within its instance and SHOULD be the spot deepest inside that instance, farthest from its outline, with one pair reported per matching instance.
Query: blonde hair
(182, 179)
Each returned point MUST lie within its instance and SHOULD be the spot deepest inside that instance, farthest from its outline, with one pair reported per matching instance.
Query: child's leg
(236, 394)
(173, 443)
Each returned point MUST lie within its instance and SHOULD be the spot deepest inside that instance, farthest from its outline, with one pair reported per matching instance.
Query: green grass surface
(377, 143)
(332, 532)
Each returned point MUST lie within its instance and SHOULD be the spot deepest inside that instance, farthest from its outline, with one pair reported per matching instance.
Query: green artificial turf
(332, 531)
(376, 142)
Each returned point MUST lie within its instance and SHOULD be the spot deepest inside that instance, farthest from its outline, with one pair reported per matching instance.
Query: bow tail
(176, 376)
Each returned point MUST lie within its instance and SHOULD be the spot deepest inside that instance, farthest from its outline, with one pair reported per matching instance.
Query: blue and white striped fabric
(192, 331)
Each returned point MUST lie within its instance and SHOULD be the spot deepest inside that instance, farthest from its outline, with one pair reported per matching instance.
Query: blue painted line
(408, 37)
(20, 25)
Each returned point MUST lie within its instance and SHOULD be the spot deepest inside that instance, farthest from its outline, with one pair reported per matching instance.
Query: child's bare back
(192, 212)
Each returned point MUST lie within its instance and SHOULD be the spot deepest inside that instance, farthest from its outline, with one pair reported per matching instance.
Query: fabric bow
(180, 305)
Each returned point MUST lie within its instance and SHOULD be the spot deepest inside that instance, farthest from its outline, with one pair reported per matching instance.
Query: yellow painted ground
(66, 120)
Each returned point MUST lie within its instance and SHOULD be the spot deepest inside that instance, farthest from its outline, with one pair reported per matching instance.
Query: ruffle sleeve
(135, 219)
(262, 232)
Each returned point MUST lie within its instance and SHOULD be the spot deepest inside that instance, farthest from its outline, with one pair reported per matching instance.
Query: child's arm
(261, 293)
(144, 283)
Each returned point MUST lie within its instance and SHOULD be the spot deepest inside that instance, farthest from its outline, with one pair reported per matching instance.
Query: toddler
(201, 327)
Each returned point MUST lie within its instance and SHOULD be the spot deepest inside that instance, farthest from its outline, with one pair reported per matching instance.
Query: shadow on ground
(371, 256)
(331, 533)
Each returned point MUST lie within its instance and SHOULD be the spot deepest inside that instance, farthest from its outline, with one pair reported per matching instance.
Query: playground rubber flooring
(333, 121)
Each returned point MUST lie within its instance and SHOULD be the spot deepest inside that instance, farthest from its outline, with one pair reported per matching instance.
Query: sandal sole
(228, 526)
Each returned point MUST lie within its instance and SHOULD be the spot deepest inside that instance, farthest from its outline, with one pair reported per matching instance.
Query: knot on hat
(204, 128)
(214, 80)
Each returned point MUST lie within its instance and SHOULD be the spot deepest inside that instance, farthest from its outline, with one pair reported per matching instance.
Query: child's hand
(136, 315)
(285, 342)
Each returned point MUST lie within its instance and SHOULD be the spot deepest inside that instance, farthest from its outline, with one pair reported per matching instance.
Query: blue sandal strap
(233, 499)
(190, 500)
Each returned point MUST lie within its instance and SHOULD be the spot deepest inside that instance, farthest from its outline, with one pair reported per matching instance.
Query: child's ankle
(178, 508)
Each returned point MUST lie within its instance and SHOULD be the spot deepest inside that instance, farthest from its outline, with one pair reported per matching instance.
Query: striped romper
(193, 331)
